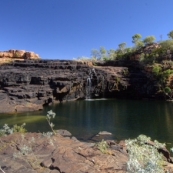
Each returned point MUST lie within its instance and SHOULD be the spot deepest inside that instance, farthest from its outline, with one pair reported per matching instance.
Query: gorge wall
(30, 84)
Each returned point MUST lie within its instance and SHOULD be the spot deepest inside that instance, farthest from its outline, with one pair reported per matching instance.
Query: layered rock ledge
(30, 84)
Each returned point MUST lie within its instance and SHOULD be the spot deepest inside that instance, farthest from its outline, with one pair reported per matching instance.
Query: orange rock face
(18, 54)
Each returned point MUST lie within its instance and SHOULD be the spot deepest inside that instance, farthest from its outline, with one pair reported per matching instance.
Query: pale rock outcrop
(18, 54)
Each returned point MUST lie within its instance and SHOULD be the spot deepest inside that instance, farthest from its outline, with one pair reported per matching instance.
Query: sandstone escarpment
(6, 56)
(30, 84)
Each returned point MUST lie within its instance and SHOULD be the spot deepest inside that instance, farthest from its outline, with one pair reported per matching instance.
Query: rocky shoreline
(63, 153)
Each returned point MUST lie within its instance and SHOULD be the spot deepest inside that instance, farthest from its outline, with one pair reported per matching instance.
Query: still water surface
(124, 118)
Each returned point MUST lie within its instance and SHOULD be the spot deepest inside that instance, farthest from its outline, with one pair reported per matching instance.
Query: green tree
(102, 50)
(149, 39)
(94, 54)
(170, 34)
(139, 44)
(136, 38)
(111, 54)
(102, 53)
(167, 44)
(122, 46)
(156, 70)
(128, 50)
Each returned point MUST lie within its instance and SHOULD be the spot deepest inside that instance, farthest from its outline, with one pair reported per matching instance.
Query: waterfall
(103, 86)
(88, 88)
(91, 78)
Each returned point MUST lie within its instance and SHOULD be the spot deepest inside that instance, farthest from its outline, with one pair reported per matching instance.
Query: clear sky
(66, 29)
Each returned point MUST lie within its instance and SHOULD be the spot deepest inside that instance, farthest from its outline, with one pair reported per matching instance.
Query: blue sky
(66, 29)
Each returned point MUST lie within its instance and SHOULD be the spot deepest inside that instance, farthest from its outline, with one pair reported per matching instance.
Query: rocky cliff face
(31, 84)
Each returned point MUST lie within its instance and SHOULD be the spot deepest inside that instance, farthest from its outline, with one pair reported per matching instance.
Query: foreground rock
(35, 153)
(63, 153)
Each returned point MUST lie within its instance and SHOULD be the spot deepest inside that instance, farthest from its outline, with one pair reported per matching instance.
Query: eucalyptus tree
(94, 54)
(139, 44)
(167, 44)
(149, 39)
(170, 34)
(136, 38)
(111, 54)
(102, 53)
(122, 46)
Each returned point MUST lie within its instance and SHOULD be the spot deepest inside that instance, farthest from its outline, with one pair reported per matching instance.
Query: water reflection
(124, 118)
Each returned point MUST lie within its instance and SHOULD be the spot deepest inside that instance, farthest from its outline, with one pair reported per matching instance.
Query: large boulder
(31, 55)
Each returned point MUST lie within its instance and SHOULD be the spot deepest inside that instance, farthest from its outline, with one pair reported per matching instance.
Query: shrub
(50, 115)
(167, 90)
(19, 129)
(7, 130)
(102, 146)
(156, 70)
(143, 158)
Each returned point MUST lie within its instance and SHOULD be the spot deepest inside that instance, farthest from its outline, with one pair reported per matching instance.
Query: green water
(124, 118)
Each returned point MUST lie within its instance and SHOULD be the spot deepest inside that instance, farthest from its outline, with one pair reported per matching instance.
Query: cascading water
(103, 86)
(88, 88)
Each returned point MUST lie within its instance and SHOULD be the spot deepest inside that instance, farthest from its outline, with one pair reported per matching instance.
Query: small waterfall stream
(103, 86)
(88, 88)
(95, 85)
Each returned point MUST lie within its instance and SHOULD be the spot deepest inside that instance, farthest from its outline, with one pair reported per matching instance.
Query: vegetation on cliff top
(155, 58)
(147, 48)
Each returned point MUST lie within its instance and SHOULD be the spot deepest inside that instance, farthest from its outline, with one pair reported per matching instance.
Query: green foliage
(166, 73)
(7, 130)
(99, 54)
(111, 54)
(142, 157)
(139, 44)
(95, 53)
(102, 146)
(125, 72)
(122, 46)
(102, 50)
(142, 57)
(19, 129)
(149, 39)
(168, 92)
(156, 70)
(136, 37)
(128, 50)
(170, 34)
(167, 44)
(2, 132)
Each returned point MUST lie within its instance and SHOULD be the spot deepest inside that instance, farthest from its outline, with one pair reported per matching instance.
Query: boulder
(104, 133)
(31, 55)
